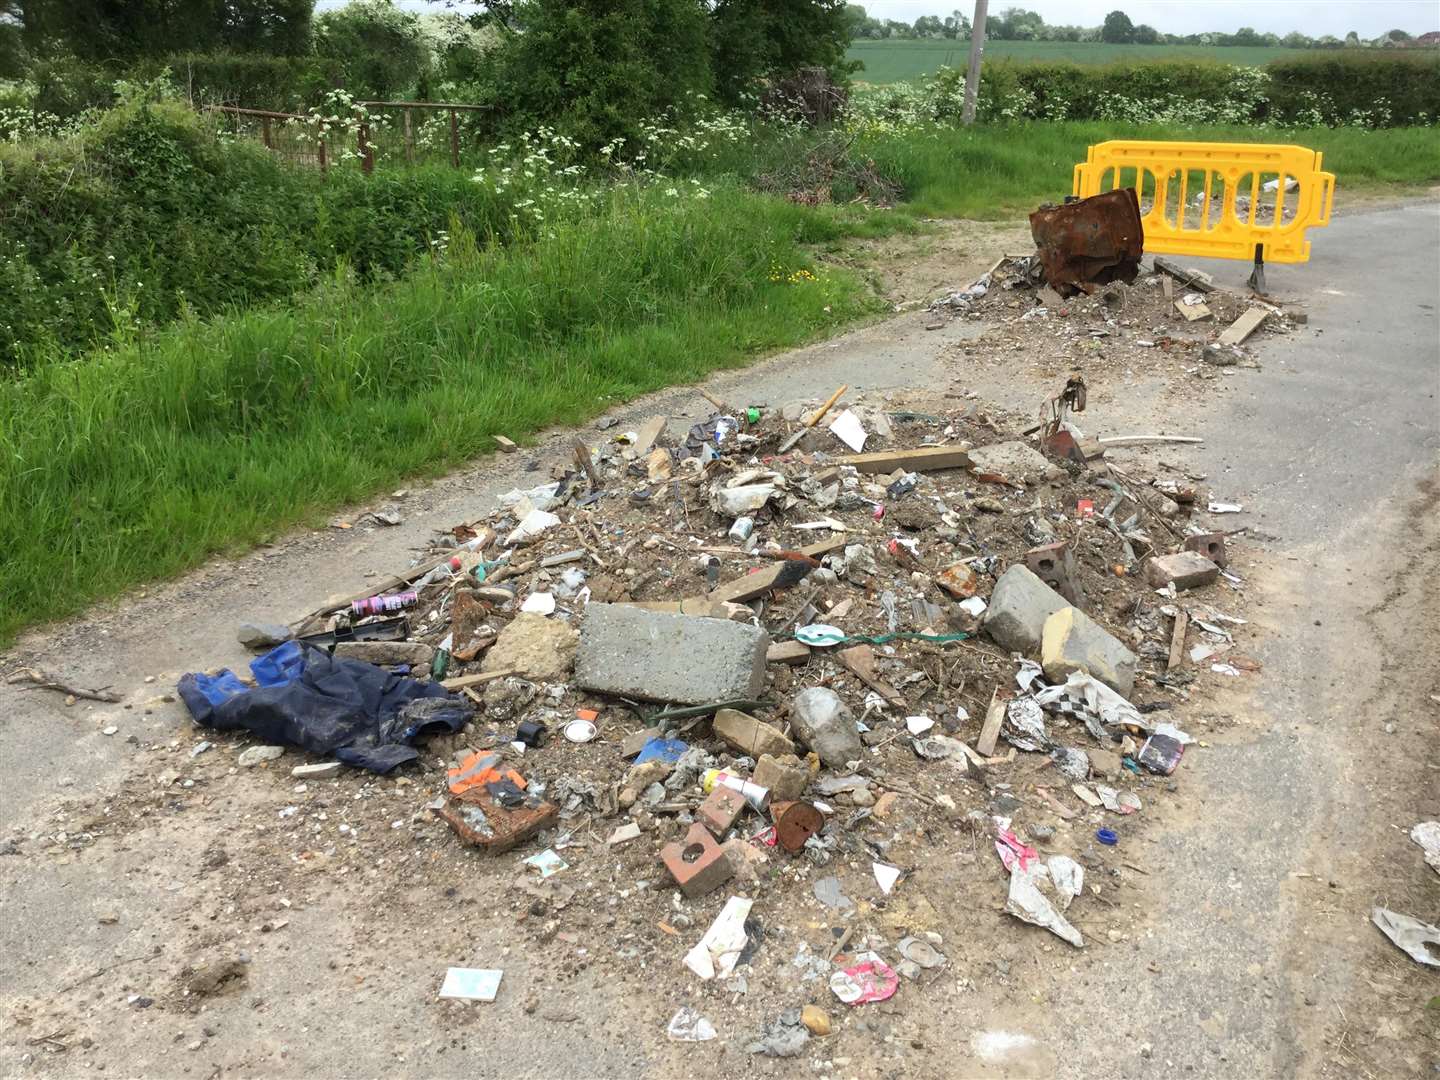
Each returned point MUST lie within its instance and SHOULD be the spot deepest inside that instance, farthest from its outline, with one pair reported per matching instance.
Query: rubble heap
(753, 668)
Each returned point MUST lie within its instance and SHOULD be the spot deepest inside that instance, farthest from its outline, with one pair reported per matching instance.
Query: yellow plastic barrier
(1222, 200)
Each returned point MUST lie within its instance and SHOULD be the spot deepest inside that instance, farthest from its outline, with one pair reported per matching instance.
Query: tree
(1146, 35)
(759, 39)
(380, 46)
(1352, 39)
(957, 24)
(1117, 29)
(856, 19)
(929, 26)
(1296, 40)
(1397, 35)
(594, 69)
(126, 29)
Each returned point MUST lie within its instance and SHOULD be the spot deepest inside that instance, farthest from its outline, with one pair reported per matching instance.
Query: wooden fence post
(972, 75)
(265, 132)
(409, 139)
(367, 152)
(454, 138)
(324, 163)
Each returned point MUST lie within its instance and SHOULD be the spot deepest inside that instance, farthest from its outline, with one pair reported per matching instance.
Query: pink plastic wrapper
(1011, 850)
(868, 979)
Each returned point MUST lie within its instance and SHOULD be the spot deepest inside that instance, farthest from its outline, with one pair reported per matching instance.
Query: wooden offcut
(994, 717)
(1244, 326)
(926, 459)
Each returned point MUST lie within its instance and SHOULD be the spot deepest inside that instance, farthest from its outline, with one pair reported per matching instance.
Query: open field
(895, 61)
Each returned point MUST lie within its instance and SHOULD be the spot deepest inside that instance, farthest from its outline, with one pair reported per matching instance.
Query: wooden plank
(994, 717)
(1244, 326)
(1192, 312)
(461, 682)
(926, 459)
(787, 652)
(1177, 641)
(1191, 279)
(744, 589)
(824, 547)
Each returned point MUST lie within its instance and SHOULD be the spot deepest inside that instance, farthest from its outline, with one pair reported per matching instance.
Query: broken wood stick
(994, 716)
(712, 399)
(463, 682)
(1177, 641)
(582, 458)
(814, 418)
(1145, 440)
(43, 681)
(1195, 279)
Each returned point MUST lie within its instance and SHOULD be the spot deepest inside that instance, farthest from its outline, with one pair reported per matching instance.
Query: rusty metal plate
(1095, 240)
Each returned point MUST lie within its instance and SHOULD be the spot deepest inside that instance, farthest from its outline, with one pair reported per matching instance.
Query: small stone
(262, 635)
(109, 729)
(533, 646)
(785, 777)
(255, 755)
(109, 919)
(1104, 764)
(825, 724)
(323, 770)
(816, 1020)
(862, 797)
(989, 504)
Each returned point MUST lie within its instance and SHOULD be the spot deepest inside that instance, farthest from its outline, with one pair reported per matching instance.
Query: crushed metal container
(1090, 241)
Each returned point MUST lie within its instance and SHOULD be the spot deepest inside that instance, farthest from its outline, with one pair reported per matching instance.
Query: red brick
(697, 863)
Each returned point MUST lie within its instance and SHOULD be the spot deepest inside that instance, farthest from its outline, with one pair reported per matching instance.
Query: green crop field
(895, 61)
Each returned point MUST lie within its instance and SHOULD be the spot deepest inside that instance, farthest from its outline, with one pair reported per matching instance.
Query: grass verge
(139, 462)
(989, 172)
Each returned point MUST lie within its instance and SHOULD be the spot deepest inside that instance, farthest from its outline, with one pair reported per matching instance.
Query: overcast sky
(1368, 18)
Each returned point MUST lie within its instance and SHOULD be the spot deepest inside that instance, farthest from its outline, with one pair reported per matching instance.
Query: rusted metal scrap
(1090, 241)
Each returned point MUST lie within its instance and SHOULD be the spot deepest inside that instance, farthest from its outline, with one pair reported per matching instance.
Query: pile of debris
(765, 648)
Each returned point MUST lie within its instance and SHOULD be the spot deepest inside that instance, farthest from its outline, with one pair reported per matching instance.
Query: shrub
(594, 69)
(1368, 88)
(255, 80)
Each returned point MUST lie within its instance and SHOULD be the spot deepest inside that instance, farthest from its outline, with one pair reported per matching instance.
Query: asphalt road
(1230, 974)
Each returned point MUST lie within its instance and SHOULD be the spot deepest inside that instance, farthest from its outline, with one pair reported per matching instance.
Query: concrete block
(1019, 606)
(1072, 641)
(1013, 460)
(1211, 545)
(533, 646)
(744, 733)
(635, 653)
(1054, 564)
(1184, 569)
(697, 863)
(784, 776)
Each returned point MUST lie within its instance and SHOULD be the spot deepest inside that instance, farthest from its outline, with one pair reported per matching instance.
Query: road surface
(1250, 955)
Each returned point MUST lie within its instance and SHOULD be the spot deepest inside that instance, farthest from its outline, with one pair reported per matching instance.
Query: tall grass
(141, 461)
(988, 172)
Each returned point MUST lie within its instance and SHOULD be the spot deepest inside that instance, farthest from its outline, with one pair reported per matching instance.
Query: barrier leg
(1257, 275)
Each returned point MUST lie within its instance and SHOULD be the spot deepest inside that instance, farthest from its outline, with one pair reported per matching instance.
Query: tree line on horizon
(1019, 24)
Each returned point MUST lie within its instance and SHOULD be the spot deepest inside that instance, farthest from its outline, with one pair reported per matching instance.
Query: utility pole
(972, 75)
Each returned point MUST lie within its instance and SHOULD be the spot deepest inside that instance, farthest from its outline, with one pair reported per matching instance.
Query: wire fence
(392, 131)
